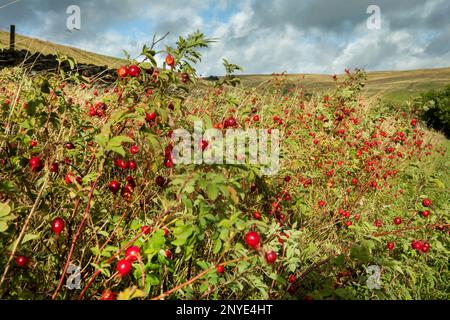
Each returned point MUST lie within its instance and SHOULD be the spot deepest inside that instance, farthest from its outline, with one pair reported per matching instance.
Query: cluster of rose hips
(132, 254)
(229, 122)
(132, 71)
(98, 109)
(420, 246)
(253, 240)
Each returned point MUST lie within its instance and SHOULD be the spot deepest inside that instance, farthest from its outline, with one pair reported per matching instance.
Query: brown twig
(201, 274)
(24, 228)
(380, 234)
(77, 234)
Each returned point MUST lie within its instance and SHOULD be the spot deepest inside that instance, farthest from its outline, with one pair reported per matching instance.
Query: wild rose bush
(87, 180)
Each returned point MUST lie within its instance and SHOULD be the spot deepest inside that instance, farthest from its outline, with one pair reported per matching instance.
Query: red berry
(287, 178)
(132, 253)
(35, 164)
(69, 177)
(122, 72)
(378, 223)
(92, 112)
(170, 60)
(426, 202)
(108, 295)
(257, 215)
(134, 71)
(292, 289)
(54, 167)
(220, 269)
(354, 181)
(58, 225)
(397, 220)
(321, 203)
(425, 213)
(168, 163)
(69, 146)
(166, 232)
(122, 164)
(123, 267)
(271, 256)
(145, 230)
(150, 116)
(390, 246)
(131, 182)
(184, 77)
(168, 254)
(134, 149)
(132, 165)
(230, 122)
(417, 245)
(256, 118)
(33, 143)
(22, 261)
(291, 278)
(114, 186)
(252, 239)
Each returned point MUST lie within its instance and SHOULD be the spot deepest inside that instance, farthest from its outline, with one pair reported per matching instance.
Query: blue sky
(297, 36)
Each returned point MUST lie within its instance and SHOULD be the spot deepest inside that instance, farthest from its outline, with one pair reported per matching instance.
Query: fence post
(12, 37)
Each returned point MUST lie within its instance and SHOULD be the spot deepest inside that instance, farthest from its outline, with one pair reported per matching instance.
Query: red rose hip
(252, 239)
(123, 267)
(271, 257)
(58, 225)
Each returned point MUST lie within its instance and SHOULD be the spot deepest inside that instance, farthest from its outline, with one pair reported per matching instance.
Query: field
(95, 204)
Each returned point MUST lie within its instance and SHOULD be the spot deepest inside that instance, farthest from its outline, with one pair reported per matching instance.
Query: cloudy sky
(297, 36)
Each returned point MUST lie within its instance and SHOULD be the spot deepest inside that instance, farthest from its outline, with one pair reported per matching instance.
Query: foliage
(436, 109)
(348, 168)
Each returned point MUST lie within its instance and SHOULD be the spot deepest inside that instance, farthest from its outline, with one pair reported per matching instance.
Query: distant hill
(37, 45)
(394, 86)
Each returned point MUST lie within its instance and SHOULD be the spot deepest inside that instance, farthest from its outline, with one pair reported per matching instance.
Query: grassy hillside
(393, 86)
(37, 45)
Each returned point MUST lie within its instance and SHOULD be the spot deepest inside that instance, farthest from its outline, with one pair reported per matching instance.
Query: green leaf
(182, 234)
(3, 226)
(115, 144)
(32, 106)
(344, 293)
(5, 209)
(131, 293)
(217, 246)
(117, 141)
(30, 237)
(339, 260)
(212, 191)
